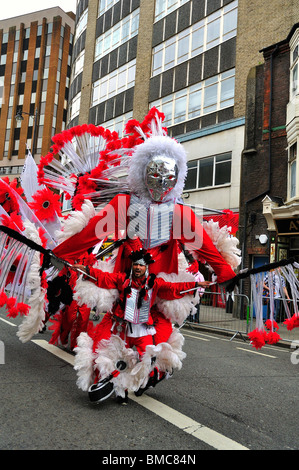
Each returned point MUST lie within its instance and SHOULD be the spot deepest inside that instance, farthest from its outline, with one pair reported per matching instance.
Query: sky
(21, 7)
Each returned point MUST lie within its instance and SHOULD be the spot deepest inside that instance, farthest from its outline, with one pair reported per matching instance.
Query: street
(227, 396)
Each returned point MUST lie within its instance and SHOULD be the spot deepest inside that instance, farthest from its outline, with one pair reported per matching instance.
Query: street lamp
(19, 117)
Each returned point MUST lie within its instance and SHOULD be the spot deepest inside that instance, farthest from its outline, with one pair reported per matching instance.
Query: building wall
(265, 158)
(229, 139)
(36, 58)
(184, 81)
(260, 24)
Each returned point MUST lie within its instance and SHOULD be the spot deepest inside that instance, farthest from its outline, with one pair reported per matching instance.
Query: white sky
(11, 8)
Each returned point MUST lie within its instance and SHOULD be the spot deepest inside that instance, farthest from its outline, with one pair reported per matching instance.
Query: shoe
(100, 391)
(122, 400)
(152, 382)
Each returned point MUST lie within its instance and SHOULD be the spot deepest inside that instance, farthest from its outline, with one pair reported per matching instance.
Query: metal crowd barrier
(237, 317)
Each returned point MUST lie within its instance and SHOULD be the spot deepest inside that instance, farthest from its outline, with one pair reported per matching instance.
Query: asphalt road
(227, 396)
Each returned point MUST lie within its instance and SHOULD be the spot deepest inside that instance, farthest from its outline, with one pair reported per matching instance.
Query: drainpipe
(264, 193)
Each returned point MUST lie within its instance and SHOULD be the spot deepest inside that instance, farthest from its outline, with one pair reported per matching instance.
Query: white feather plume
(84, 361)
(33, 321)
(224, 241)
(179, 309)
(87, 293)
(76, 221)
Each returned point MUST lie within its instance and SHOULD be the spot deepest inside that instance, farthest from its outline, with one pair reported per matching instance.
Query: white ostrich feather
(179, 309)
(84, 361)
(87, 293)
(76, 221)
(33, 321)
(225, 243)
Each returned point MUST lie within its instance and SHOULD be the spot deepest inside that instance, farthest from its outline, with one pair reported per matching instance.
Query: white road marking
(64, 355)
(188, 425)
(195, 336)
(256, 352)
(183, 422)
(6, 321)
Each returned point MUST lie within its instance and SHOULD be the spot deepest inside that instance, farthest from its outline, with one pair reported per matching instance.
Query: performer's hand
(80, 266)
(205, 283)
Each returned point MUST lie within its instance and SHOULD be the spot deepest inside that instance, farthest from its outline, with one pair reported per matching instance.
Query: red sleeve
(107, 280)
(172, 290)
(191, 233)
(110, 220)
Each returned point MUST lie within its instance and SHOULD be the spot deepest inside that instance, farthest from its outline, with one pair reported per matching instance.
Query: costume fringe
(224, 241)
(84, 361)
(179, 309)
(87, 293)
(34, 321)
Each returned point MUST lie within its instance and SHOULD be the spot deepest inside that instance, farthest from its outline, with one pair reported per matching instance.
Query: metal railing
(237, 316)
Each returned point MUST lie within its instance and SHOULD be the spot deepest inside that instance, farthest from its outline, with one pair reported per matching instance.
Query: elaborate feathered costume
(126, 189)
(147, 208)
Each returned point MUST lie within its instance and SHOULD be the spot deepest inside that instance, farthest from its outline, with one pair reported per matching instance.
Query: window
(294, 68)
(78, 65)
(75, 106)
(227, 92)
(210, 95)
(114, 83)
(197, 38)
(191, 180)
(205, 97)
(105, 5)
(164, 7)
(195, 99)
(213, 30)
(230, 17)
(117, 35)
(292, 170)
(209, 172)
(81, 25)
(201, 36)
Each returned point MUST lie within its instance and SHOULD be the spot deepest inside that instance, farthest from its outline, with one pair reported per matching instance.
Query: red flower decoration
(7, 198)
(46, 205)
(12, 221)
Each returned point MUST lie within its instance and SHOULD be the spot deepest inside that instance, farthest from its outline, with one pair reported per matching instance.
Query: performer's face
(160, 177)
(138, 270)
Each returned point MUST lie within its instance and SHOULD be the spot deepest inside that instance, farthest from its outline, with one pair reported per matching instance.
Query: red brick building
(269, 197)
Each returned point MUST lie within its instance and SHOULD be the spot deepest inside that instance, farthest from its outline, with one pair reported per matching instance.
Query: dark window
(209, 171)
(206, 172)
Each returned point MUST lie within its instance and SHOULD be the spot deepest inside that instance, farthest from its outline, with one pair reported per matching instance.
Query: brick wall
(264, 151)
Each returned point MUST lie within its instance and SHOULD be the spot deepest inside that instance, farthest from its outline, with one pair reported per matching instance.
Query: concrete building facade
(179, 56)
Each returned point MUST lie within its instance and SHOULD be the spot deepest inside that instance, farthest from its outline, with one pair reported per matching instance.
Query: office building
(179, 56)
(35, 68)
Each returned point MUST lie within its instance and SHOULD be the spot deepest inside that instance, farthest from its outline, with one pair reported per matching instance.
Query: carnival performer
(147, 206)
(131, 318)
